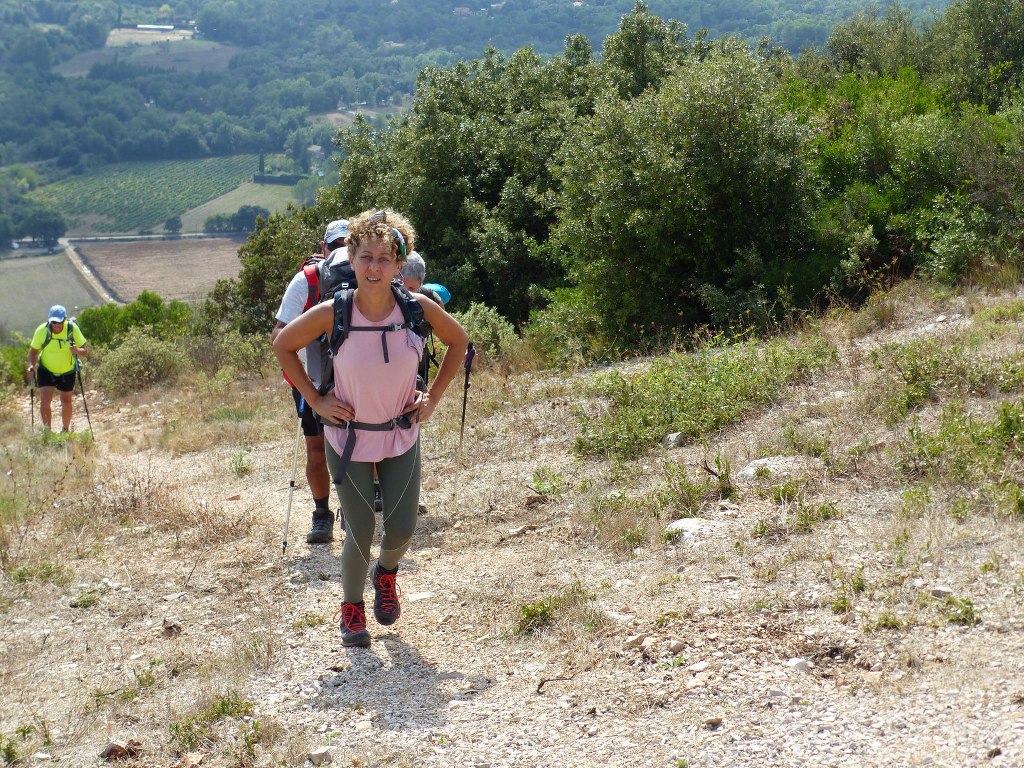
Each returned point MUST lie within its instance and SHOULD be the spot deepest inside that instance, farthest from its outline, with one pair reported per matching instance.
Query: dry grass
(836, 563)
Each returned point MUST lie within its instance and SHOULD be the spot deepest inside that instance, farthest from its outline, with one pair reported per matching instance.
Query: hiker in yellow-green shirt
(56, 346)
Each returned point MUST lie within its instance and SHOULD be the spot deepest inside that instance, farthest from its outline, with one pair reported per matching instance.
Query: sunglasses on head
(383, 216)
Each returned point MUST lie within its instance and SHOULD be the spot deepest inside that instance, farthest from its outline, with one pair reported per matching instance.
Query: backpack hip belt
(351, 427)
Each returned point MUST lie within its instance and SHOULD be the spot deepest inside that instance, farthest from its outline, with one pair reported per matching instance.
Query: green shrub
(249, 355)
(565, 335)
(140, 361)
(13, 362)
(919, 370)
(541, 613)
(197, 731)
(971, 459)
(493, 335)
(695, 394)
(954, 230)
(108, 325)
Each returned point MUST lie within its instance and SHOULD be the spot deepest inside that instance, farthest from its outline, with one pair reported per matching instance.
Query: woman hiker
(373, 412)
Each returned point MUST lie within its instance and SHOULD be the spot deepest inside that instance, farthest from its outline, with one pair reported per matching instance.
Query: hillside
(856, 603)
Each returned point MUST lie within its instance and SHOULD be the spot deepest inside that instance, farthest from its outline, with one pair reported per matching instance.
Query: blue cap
(440, 290)
(58, 314)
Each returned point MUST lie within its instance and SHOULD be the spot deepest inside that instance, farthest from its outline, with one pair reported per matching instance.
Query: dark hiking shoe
(323, 527)
(353, 626)
(386, 608)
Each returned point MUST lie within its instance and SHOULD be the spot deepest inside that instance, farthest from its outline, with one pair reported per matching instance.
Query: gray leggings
(399, 490)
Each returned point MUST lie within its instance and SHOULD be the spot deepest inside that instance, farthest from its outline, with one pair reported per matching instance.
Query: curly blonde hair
(383, 225)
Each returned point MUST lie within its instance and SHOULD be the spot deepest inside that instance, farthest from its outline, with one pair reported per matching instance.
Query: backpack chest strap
(384, 330)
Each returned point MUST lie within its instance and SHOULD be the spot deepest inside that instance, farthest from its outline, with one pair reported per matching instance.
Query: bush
(695, 394)
(493, 335)
(249, 355)
(106, 325)
(565, 334)
(953, 230)
(13, 362)
(140, 361)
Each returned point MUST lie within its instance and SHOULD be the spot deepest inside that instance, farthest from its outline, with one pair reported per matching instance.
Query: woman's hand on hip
(332, 408)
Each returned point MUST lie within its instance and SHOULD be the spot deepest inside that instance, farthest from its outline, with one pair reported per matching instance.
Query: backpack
(323, 281)
(413, 319)
(69, 332)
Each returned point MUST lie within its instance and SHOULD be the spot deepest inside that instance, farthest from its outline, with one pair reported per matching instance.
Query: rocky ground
(201, 644)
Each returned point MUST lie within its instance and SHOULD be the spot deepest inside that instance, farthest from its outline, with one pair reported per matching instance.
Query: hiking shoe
(386, 608)
(353, 626)
(323, 527)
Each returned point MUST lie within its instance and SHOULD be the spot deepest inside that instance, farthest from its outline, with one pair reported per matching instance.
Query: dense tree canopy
(680, 180)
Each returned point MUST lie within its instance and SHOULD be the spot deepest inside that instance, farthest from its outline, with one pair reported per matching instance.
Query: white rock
(633, 641)
(320, 755)
(780, 467)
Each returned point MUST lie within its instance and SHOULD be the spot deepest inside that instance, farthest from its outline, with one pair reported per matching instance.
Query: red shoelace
(353, 616)
(387, 583)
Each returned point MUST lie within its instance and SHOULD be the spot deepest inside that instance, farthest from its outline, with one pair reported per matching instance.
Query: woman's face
(375, 263)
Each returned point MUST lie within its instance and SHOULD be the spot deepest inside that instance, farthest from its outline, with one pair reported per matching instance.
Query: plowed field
(174, 269)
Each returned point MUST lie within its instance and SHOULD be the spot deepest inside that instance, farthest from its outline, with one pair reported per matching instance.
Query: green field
(30, 286)
(274, 197)
(133, 197)
(152, 49)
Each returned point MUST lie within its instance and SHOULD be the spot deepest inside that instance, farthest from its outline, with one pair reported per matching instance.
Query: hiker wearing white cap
(53, 361)
(302, 293)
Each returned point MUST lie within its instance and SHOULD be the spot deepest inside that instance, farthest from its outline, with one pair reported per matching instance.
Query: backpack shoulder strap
(412, 312)
(311, 270)
(342, 318)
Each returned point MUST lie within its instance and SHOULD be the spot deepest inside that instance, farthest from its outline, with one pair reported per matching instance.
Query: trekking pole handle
(470, 354)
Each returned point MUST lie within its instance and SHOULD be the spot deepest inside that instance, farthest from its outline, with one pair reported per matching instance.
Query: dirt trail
(716, 649)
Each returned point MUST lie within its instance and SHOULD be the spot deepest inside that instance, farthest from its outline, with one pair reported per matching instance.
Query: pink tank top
(378, 391)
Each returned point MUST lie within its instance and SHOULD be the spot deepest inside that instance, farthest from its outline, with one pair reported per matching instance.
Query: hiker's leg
(45, 400)
(400, 491)
(355, 493)
(317, 475)
(66, 406)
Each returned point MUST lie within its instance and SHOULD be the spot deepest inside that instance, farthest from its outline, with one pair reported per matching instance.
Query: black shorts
(65, 382)
(310, 426)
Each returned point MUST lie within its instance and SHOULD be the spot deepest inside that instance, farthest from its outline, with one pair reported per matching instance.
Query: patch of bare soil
(721, 647)
(183, 269)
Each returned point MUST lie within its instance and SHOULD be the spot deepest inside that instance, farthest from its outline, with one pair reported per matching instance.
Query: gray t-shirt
(292, 305)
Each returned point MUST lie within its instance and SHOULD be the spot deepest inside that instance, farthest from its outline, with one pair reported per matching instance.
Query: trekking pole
(32, 400)
(291, 490)
(81, 384)
(85, 403)
(470, 354)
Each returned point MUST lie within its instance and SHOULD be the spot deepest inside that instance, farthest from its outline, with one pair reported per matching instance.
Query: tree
(976, 50)
(173, 225)
(42, 224)
(644, 50)
(685, 201)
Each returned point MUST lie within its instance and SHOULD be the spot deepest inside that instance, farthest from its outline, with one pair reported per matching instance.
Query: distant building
(155, 27)
(461, 11)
